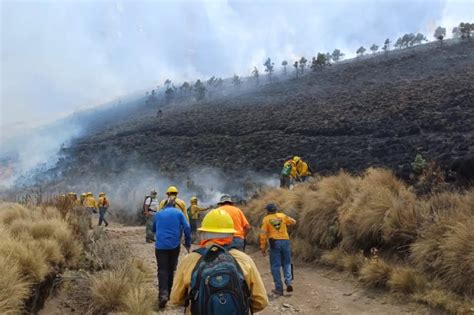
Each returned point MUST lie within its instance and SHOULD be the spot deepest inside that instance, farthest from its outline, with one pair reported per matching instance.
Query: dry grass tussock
(124, 289)
(102, 252)
(342, 260)
(14, 288)
(445, 250)
(375, 273)
(321, 207)
(406, 280)
(33, 242)
(384, 213)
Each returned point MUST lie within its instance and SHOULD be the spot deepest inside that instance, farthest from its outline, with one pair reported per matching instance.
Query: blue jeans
(238, 243)
(280, 257)
(102, 212)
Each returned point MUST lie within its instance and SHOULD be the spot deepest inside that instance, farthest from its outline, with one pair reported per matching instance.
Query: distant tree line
(200, 89)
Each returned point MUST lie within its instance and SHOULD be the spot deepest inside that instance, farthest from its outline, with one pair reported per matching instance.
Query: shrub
(304, 251)
(30, 260)
(406, 280)
(125, 288)
(14, 288)
(333, 258)
(10, 212)
(321, 208)
(445, 246)
(353, 263)
(139, 301)
(383, 213)
(375, 273)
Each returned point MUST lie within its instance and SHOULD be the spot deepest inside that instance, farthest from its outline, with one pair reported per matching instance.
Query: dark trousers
(285, 181)
(102, 212)
(167, 260)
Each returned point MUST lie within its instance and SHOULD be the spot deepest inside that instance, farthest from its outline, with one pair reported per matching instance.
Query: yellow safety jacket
(182, 280)
(195, 209)
(180, 204)
(303, 168)
(90, 202)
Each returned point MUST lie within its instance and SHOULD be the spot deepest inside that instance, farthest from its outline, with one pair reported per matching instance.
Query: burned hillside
(371, 111)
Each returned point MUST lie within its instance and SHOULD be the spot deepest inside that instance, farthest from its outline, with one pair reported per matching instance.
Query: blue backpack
(218, 285)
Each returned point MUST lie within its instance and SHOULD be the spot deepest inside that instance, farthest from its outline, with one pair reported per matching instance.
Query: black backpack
(218, 284)
(144, 202)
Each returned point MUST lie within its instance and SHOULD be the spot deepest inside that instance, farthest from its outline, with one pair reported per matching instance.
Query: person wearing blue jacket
(168, 225)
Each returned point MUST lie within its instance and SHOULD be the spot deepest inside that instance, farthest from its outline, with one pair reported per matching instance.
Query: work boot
(162, 300)
(289, 288)
(277, 292)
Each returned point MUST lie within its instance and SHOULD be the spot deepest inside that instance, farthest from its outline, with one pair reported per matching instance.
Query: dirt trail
(317, 291)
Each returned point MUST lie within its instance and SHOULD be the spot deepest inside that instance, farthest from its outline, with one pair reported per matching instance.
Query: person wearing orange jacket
(241, 224)
(103, 205)
(274, 230)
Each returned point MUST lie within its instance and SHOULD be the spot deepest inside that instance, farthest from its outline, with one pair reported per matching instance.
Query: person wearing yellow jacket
(180, 204)
(216, 235)
(274, 229)
(72, 198)
(193, 214)
(90, 203)
(303, 170)
(83, 199)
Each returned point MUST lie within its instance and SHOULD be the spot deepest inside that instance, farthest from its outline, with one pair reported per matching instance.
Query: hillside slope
(380, 110)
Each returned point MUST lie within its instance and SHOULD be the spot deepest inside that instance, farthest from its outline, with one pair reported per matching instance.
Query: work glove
(264, 252)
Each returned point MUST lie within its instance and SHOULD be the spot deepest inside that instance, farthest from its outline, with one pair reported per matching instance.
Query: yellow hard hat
(83, 195)
(296, 159)
(89, 194)
(71, 193)
(172, 190)
(217, 221)
(102, 194)
(194, 198)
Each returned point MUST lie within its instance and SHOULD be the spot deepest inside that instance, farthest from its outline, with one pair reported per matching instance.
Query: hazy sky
(58, 56)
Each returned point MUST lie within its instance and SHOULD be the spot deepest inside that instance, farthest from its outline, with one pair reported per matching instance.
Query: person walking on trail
(103, 205)
(150, 207)
(193, 214)
(90, 203)
(303, 170)
(83, 199)
(288, 173)
(180, 204)
(217, 278)
(274, 229)
(241, 225)
(168, 226)
(72, 199)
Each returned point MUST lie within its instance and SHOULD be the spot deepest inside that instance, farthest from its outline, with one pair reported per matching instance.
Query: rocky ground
(380, 110)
